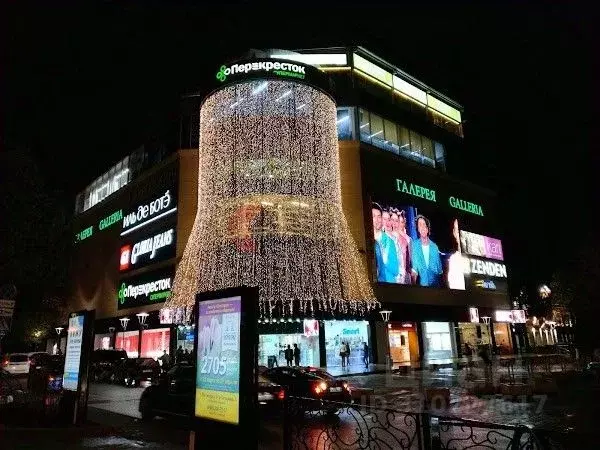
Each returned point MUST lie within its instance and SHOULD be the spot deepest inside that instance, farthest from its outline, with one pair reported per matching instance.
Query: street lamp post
(142, 321)
(486, 320)
(385, 316)
(124, 322)
(58, 332)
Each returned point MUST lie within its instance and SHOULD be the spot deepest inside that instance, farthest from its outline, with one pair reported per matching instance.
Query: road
(402, 393)
(115, 420)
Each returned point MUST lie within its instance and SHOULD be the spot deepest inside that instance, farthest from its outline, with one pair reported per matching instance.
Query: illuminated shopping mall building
(319, 176)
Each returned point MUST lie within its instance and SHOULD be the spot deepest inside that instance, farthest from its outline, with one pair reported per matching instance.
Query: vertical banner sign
(218, 365)
(73, 353)
(80, 338)
(225, 403)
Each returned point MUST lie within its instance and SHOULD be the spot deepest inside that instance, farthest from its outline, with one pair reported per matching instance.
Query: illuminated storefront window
(102, 341)
(271, 349)
(352, 332)
(155, 342)
(390, 136)
(345, 124)
(438, 340)
(128, 341)
(503, 338)
(473, 334)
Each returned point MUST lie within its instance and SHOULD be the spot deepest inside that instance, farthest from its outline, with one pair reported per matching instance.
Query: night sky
(84, 88)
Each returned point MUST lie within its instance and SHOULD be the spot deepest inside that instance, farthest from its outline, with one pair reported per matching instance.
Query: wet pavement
(114, 420)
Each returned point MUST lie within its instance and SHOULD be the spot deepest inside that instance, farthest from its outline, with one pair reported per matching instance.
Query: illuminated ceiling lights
(269, 205)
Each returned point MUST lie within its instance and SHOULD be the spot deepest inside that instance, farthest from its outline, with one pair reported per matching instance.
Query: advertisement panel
(73, 353)
(148, 249)
(218, 360)
(157, 207)
(146, 289)
(431, 232)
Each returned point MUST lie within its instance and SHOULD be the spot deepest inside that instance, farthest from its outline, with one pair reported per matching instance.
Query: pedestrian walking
(366, 355)
(343, 354)
(165, 360)
(296, 355)
(289, 355)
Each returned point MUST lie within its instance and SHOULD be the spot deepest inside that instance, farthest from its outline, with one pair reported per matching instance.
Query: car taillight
(5, 362)
(320, 387)
(281, 395)
(345, 386)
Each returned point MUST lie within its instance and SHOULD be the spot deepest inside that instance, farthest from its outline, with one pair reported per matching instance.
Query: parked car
(174, 394)
(312, 383)
(134, 371)
(104, 362)
(46, 373)
(19, 363)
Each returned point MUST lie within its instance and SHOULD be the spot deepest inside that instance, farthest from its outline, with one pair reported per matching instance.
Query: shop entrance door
(399, 348)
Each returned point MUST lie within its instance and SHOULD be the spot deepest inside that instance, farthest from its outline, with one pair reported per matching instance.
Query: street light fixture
(124, 321)
(385, 316)
(58, 332)
(486, 320)
(142, 318)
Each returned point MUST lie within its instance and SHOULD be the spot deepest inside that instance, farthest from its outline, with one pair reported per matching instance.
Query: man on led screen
(426, 261)
(386, 258)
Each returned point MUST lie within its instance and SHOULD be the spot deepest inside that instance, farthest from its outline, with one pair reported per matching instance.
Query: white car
(18, 363)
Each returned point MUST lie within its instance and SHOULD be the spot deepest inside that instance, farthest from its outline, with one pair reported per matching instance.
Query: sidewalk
(103, 430)
(449, 363)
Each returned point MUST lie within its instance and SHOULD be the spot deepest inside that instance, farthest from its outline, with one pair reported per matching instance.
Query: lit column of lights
(269, 204)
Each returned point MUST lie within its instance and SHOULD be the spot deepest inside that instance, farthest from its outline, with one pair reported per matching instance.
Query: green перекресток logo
(278, 68)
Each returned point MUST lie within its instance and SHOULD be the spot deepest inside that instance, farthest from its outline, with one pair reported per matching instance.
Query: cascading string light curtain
(269, 204)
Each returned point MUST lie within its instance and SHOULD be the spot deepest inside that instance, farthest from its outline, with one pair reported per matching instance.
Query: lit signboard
(152, 249)
(270, 68)
(315, 59)
(474, 315)
(408, 89)
(103, 224)
(373, 70)
(503, 316)
(482, 246)
(84, 234)
(425, 232)
(149, 212)
(218, 360)
(311, 327)
(146, 289)
(73, 352)
(443, 108)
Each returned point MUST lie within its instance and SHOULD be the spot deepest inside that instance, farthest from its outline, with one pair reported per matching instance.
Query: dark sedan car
(174, 394)
(46, 373)
(135, 371)
(311, 383)
(104, 362)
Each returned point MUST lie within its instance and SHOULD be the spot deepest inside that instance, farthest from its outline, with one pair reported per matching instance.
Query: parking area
(118, 399)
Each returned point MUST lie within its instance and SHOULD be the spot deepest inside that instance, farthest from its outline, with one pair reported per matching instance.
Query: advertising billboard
(73, 353)
(148, 249)
(432, 232)
(155, 208)
(146, 289)
(218, 360)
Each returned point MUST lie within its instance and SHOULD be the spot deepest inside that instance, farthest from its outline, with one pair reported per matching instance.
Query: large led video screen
(433, 233)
